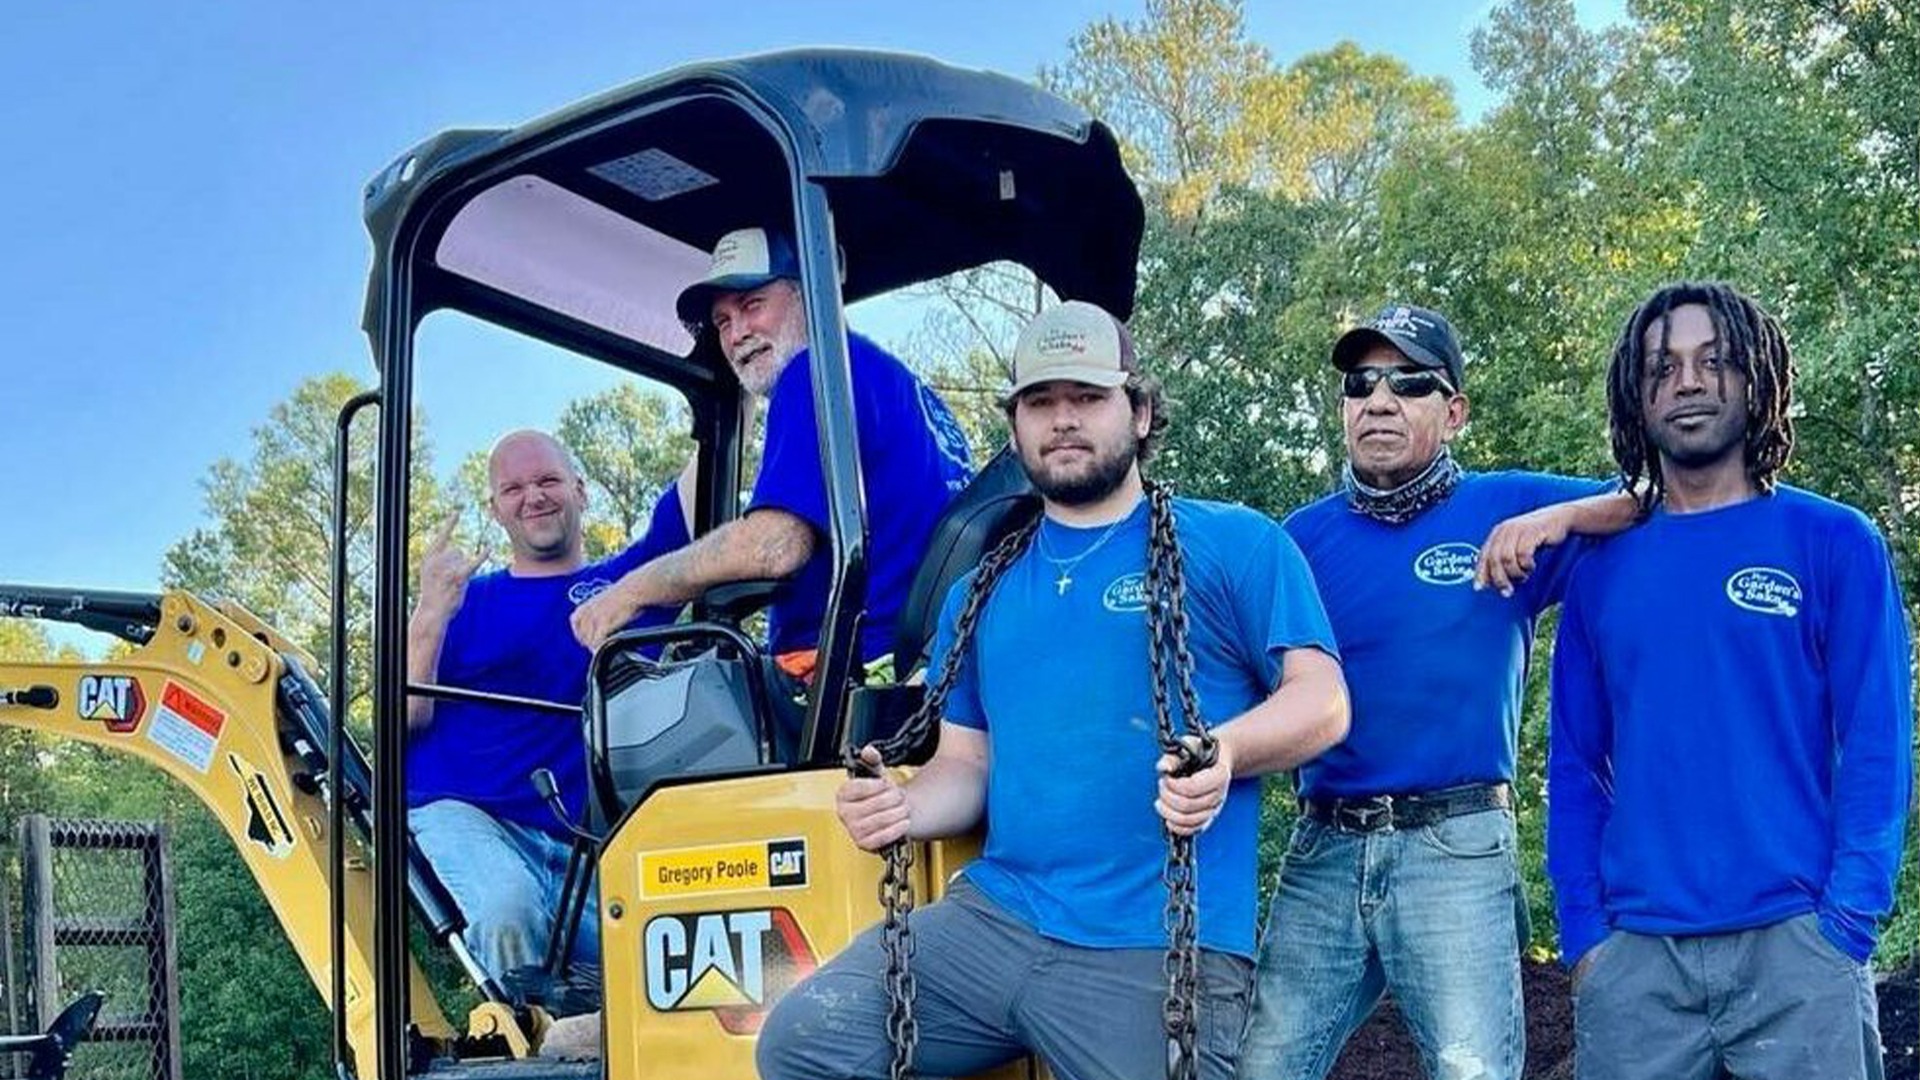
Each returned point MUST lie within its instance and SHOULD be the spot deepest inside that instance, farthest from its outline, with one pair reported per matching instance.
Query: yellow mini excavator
(723, 875)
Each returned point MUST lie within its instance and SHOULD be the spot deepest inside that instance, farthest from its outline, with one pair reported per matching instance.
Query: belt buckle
(1371, 814)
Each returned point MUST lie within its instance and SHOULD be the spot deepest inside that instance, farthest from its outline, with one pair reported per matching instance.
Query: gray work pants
(991, 990)
(1778, 1002)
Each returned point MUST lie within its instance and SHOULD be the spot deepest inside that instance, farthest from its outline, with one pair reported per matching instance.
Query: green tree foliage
(268, 543)
(1262, 190)
(1177, 87)
(23, 757)
(630, 444)
(1768, 142)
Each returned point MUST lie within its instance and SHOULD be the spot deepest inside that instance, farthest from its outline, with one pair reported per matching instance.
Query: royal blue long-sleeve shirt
(1732, 726)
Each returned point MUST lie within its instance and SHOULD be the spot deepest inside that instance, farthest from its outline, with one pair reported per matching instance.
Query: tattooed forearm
(764, 544)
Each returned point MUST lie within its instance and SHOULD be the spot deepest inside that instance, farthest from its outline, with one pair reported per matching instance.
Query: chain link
(1167, 641)
(896, 880)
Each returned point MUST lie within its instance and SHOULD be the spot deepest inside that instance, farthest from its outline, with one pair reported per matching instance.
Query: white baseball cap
(743, 260)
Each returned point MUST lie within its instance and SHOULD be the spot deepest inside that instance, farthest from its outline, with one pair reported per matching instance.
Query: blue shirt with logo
(1732, 726)
(1059, 682)
(513, 635)
(1434, 669)
(913, 460)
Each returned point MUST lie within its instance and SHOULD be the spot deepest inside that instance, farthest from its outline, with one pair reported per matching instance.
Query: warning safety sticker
(186, 726)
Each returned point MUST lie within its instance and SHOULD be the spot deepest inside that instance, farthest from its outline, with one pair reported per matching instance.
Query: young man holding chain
(1054, 942)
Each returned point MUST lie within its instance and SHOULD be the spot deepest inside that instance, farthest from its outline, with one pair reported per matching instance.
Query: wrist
(433, 613)
(1224, 742)
(1564, 519)
(631, 593)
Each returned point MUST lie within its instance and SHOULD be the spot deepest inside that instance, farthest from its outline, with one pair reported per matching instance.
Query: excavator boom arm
(202, 696)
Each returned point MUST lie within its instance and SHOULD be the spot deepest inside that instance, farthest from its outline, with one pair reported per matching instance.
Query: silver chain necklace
(1065, 581)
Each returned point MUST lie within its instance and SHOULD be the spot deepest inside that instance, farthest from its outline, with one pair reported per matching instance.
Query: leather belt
(1374, 813)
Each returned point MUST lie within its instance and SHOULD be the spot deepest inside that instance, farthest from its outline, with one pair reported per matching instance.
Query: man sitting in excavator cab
(492, 839)
(500, 851)
(913, 459)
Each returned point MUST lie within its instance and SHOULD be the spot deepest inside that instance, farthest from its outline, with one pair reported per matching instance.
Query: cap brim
(1354, 344)
(696, 300)
(1092, 376)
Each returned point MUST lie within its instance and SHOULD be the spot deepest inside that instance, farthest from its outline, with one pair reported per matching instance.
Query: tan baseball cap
(1073, 341)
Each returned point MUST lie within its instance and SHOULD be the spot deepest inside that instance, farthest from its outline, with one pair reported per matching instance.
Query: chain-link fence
(97, 914)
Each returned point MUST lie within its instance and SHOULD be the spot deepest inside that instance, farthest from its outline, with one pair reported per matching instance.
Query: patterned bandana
(1402, 504)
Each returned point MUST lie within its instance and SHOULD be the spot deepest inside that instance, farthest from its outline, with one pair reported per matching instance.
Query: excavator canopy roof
(595, 217)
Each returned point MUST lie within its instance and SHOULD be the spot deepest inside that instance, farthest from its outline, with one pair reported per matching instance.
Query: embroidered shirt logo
(1446, 564)
(582, 591)
(948, 437)
(1765, 590)
(1127, 593)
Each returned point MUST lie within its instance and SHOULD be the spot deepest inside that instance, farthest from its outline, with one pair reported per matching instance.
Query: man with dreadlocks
(1401, 874)
(1057, 706)
(1729, 777)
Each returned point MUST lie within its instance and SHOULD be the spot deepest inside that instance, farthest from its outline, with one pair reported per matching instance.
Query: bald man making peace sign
(494, 844)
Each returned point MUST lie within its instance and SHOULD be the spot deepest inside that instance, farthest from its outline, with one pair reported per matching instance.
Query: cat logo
(115, 700)
(786, 863)
(735, 964)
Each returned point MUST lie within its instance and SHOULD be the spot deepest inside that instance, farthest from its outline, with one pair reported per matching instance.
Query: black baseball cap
(1422, 335)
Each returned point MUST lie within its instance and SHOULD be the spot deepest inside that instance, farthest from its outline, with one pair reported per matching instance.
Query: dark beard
(1102, 480)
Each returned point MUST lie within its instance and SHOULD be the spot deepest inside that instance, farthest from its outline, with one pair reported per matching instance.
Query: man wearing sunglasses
(1400, 874)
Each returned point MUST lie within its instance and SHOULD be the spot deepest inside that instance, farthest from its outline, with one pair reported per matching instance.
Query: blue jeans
(1429, 914)
(506, 879)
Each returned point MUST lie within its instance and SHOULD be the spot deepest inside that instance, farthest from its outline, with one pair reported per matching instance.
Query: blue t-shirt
(1732, 726)
(512, 635)
(1059, 682)
(1434, 669)
(913, 459)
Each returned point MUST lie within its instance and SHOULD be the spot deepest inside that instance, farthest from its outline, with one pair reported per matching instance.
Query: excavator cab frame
(578, 230)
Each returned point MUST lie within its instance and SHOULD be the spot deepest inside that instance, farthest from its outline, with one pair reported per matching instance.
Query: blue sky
(179, 204)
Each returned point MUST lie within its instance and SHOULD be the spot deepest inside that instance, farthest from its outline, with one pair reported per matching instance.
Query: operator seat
(999, 500)
(996, 502)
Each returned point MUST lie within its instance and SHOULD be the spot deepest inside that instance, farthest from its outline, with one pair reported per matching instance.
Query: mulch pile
(1381, 1050)
(1900, 1022)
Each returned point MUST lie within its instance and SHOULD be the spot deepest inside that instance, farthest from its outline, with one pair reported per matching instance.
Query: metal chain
(896, 880)
(896, 939)
(1167, 639)
(1168, 649)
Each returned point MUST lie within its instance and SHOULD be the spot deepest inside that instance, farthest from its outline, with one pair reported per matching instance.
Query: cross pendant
(1063, 583)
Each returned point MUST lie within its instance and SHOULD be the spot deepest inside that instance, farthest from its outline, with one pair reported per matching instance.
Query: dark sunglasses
(1359, 382)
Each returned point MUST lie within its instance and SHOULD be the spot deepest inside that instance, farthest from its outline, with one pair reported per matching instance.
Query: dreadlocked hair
(1750, 339)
